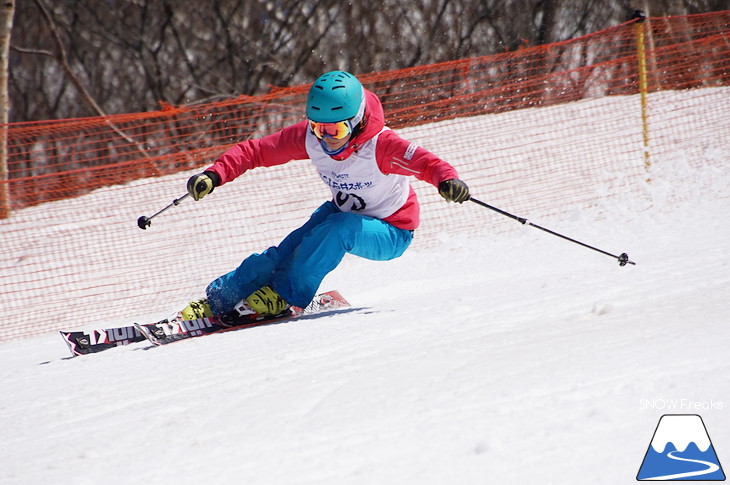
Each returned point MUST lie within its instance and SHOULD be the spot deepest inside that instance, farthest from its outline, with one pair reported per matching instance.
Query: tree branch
(62, 59)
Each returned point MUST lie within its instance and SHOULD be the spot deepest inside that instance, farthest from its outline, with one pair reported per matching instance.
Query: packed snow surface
(515, 357)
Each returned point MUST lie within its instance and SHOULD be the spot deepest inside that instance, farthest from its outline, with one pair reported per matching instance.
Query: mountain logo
(681, 450)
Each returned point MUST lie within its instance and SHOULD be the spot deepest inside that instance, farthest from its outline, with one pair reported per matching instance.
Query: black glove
(202, 184)
(454, 190)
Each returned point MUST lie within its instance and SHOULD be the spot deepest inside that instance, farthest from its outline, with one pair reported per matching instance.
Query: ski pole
(623, 258)
(144, 222)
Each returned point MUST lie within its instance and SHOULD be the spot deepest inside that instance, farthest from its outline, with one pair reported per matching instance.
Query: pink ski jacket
(393, 155)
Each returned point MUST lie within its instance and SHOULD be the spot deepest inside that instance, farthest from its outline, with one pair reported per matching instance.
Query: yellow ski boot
(197, 309)
(267, 302)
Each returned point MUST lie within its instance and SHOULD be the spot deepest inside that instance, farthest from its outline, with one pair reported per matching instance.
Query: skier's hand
(454, 190)
(202, 184)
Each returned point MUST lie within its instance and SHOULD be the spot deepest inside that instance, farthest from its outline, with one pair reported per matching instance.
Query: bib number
(358, 203)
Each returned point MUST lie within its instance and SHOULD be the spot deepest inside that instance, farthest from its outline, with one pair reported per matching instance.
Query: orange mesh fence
(540, 130)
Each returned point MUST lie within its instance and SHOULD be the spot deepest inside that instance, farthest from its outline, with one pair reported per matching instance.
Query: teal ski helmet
(336, 96)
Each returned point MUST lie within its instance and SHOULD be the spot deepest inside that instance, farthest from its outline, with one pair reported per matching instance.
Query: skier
(373, 211)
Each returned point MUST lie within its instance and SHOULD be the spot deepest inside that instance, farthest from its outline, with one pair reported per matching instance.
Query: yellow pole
(643, 85)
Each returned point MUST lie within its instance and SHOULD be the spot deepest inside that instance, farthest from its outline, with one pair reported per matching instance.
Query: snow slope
(514, 357)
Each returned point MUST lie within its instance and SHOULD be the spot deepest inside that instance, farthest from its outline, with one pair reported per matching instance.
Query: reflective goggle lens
(337, 130)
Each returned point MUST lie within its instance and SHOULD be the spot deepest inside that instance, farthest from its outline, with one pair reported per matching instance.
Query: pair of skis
(176, 329)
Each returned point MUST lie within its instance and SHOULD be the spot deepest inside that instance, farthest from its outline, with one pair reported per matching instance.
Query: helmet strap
(355, 120)
(329, 152)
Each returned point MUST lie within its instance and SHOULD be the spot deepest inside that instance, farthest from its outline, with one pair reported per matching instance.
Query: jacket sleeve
(275, 149)
(399, 156)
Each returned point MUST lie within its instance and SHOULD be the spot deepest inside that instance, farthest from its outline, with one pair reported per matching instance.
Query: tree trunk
(7, 9)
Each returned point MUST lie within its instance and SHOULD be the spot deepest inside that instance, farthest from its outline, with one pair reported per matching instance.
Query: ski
(92, 341)
(174, 329)
(168, 331)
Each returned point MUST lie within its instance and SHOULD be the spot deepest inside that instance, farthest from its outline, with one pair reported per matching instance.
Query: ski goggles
(338, 130)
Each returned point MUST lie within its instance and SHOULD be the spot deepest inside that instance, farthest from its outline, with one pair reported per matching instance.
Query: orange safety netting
(525, 122)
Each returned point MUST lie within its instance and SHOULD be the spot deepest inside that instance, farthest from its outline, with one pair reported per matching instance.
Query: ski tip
(66, 336)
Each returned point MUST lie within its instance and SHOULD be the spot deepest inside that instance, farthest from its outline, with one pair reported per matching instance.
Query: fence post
(643, 85)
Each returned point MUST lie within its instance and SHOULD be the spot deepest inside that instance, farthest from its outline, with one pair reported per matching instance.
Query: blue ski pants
(296, 267)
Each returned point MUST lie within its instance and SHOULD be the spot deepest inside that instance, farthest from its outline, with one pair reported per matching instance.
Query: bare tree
(130, 55)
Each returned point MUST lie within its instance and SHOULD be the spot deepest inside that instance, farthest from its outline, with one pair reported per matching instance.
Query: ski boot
(267, 302)
(197, 309)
